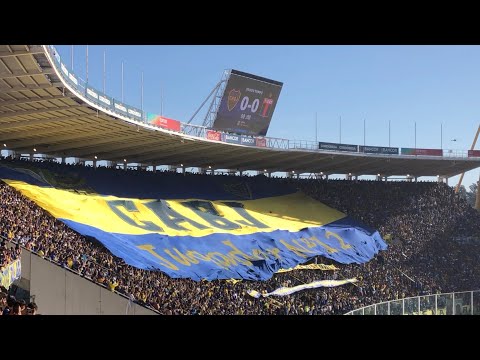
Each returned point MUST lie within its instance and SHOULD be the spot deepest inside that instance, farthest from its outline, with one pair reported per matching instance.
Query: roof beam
(165, 155)
(22, 74)
(11, 114)
(122, 149)
(23, 123)
(102, 139)
(55, 139)
(233, 161)
(6, 90)
(7, 54)
(146, 157)
(33, 100)
(290, 158)
(25, 134)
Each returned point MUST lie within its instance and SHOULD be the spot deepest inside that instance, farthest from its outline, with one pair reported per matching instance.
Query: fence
(456, 303)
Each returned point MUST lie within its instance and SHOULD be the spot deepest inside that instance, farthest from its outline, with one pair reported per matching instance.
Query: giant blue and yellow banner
(203, 238)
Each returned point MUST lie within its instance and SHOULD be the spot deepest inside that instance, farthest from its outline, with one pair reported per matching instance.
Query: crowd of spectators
(9, 305)
(8, 254)
(423, 219)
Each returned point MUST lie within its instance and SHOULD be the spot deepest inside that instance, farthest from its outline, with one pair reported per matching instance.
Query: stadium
(157, 216)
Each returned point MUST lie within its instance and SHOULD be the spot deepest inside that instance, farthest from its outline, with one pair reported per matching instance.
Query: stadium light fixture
(181, 165)
(265, 170)
(209, 167)
(4, 145)
(408, 175)
(349, 174)
(124, 160)
(96, 157)
(34, 149)
(378, 174)
(293, 171)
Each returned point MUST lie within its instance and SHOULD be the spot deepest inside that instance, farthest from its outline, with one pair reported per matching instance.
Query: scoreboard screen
(247, 104)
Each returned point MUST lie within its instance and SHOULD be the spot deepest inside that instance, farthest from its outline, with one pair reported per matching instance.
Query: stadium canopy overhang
(39, 110)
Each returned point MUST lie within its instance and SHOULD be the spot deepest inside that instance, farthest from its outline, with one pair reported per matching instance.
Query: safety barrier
(456, 303)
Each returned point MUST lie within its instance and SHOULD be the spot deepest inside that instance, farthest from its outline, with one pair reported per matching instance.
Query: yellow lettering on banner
(259, 254)
(237, 255)
(196, 255)
(298, 251)
(181, 258)
(150, 248)
(309, 242)
(275, 252)
(224, 261)
(305, 250)
(330, 249)
(338, 237)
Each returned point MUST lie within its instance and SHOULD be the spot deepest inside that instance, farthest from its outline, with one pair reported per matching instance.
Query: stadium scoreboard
(247, 104)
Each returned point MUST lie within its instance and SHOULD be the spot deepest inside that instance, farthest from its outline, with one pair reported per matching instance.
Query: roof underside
(37, 110)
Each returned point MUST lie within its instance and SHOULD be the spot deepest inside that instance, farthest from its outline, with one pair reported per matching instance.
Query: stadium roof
(40, 109)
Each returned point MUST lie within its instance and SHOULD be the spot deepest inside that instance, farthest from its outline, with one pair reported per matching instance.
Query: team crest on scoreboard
(233, 98)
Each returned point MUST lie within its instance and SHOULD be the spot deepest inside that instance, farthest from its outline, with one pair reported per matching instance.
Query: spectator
(32, 309)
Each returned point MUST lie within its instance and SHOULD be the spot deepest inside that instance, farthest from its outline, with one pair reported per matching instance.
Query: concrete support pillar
(241, 172)
(94, 164)
(443, 179)
(348, 176)
(125, 166)
(63, 159)
(154, 168)
(269, 174)
(31, 156)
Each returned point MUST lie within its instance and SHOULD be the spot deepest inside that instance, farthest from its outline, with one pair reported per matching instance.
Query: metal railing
(84, 91)
(456, 303)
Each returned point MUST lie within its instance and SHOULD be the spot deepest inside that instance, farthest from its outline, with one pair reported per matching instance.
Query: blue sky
(429, 85)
